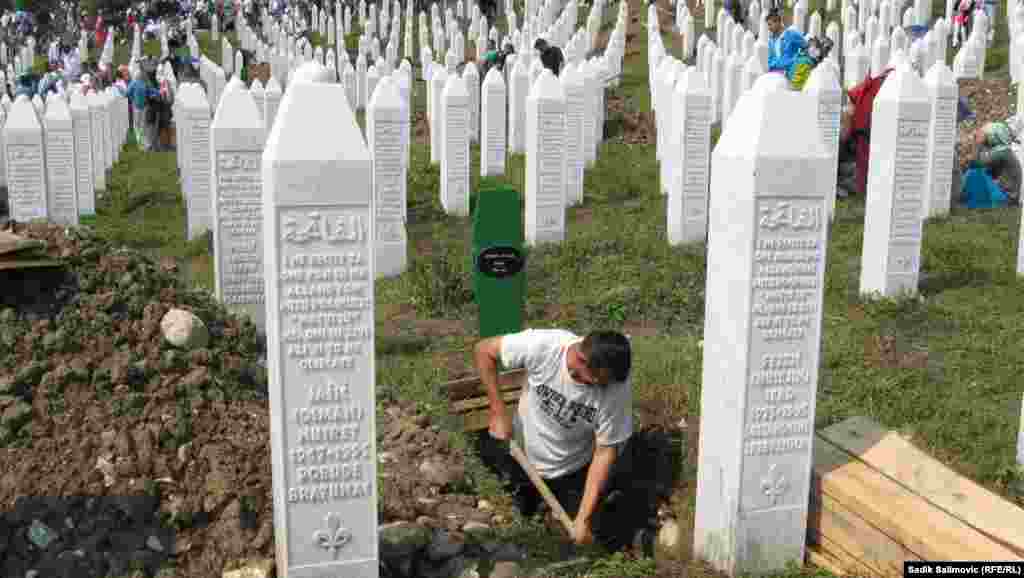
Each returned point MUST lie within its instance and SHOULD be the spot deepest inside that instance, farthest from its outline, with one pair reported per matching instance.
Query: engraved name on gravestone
(238, 138)
(545, 161)
(320, 331)
(26, 169)
(62, 194)
(761, 362)
(893, 225)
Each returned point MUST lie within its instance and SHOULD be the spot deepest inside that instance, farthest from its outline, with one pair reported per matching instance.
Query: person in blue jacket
(139, 92)
(790, 46)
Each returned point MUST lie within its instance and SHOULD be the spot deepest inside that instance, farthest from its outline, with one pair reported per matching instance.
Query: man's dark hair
(773, 14)
(608, 350)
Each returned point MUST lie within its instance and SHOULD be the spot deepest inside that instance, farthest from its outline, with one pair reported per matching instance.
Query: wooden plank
(833, 557)
(922, 474)
(476, 403)
(916, 523)
(876, 550)
(468, 387)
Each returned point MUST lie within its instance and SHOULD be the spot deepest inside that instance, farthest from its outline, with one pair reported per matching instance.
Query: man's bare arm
(486, 354)
(597, 477)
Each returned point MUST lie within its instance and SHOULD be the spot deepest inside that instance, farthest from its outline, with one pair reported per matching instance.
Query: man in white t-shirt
(574, 417)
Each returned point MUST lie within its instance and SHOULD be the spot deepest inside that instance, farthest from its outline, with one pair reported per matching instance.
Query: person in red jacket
(858, 133)
(101, 34)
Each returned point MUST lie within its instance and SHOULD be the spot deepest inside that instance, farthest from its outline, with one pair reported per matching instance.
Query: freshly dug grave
(172, 445)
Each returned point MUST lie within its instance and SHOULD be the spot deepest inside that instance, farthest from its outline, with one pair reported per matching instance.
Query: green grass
(617, 270)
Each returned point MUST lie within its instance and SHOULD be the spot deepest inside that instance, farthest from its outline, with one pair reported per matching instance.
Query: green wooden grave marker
(499, 261)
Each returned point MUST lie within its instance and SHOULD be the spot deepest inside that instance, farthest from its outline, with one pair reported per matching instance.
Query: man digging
(573, 422)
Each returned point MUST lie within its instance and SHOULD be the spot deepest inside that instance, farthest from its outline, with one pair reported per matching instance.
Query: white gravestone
(237, 146)
(492, 124)
(472, 78)
(271, 102)
(318, 254)
(575, 108)
(62, 192)
(455, 180)
(545, 161)
(893, 227)
(198, 204)
(771, 172)
(82, 128)
(687, 210)
(518, 91)
(823, 85)
(98, 117)
(109, 129)
(385, 131)
(438, 80)
(26, 165)
(944, 92)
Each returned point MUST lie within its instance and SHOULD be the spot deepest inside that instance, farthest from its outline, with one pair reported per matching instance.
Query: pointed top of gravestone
(546, 87)
(311, 71)
(822, 79)
(273, 86)
(78, 101)
(493, 78)
(234, 84)
(57, 112)
(939, 75)
(455, 88)
(256, 87)
(386, 96)
(302, 133)
(22, 116)
(897, 59)
(237, 112)
(772, 121)
(903, 85)
(690, 81)
(753, 66)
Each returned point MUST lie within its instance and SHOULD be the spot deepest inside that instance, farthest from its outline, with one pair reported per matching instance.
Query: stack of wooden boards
(877, 501)
(17, 252)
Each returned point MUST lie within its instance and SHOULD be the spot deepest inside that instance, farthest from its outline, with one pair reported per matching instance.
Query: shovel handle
(538, 482)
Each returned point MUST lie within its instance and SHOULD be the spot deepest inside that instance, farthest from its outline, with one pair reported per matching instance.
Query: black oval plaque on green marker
(500, 262)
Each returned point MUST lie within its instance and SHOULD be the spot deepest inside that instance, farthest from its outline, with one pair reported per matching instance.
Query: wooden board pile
(877, 501)
(17, 252)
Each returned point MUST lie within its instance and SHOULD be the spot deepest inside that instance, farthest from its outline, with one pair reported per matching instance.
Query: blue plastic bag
(980, 191)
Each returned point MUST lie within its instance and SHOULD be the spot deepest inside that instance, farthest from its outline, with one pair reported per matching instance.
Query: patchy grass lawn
(943, 367)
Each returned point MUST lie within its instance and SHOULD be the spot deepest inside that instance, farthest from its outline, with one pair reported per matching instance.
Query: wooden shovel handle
(538, 482)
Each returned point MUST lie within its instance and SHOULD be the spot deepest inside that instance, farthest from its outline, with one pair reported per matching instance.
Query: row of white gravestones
(56, 161)
(318, 243)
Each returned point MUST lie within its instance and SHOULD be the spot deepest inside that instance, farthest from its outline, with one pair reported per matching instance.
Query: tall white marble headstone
(823, 85)
(100, 150)
(438, 80)
(385, 133)
(454, 121)
(472, 77)
(24, 152)
(896, 193)
(687, 210)
(198, 204)
(85, 184)
(771, 172)
(318, 249)
(61, 185)
(236, 150)
(545, 161)
(944, 92)
(493, 123)
(271, 102)
(574, 89)
(518, 92)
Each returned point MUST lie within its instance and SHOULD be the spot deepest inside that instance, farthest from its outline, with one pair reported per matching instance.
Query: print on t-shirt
(554, 405)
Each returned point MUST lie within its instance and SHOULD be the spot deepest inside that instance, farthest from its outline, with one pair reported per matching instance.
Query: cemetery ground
(104, 406)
